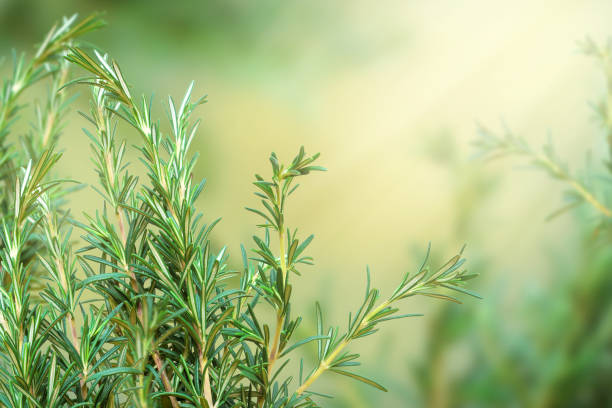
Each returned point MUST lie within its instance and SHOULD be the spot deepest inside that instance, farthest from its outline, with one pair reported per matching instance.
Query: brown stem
(164, 378)
(77, 346)
(128, 270)
(121, 223)
(274, 350)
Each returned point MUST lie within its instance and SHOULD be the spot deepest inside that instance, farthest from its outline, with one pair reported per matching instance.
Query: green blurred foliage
(558, 352)
(389, 94)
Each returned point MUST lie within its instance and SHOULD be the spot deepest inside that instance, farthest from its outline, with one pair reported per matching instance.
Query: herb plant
(558, 352)
(588, 186)
(148, 313)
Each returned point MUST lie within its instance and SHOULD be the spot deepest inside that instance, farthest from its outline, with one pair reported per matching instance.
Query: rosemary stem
(326, 363)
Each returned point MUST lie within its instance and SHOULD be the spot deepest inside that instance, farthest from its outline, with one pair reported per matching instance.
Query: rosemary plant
(146, 314)
(558, 353)
(586, 187)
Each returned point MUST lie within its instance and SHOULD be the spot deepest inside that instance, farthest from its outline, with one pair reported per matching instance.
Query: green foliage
(494, 146)
(146, 313)
(588, 186)
(557, 353)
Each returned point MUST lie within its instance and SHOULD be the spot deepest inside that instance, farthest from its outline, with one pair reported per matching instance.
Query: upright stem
(279, 315)
(143, 397)
(162, 373)
(274, 350)
(128, 270)
(282, 255)
(204, 371)
(208, 390)
(273, 353)
(77, 346)
(134, 283)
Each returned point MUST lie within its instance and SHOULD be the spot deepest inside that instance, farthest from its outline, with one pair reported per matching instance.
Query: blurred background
(391, 94)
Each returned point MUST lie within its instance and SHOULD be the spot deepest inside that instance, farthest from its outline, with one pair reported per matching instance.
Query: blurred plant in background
(560, 352)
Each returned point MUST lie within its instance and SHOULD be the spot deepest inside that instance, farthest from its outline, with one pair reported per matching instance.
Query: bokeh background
(391, 94)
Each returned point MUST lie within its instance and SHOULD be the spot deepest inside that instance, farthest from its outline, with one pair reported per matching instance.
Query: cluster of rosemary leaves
(145, 314)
